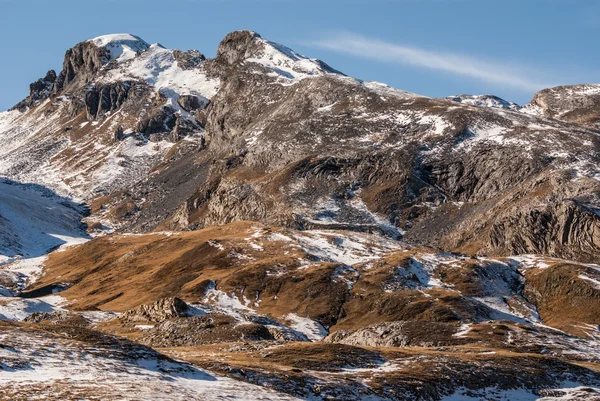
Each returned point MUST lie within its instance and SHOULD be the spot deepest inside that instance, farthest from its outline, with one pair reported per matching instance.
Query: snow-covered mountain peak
(281, 61)
(172, 73)
(287, 63)
(122, 46)
(485, 101)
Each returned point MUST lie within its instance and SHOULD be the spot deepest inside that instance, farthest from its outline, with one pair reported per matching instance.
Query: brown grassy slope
(565, 300)
(122, 272)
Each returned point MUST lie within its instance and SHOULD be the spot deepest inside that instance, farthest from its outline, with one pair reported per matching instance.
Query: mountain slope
(262, 133)
(34, 221)
(575, 103)
(264, 216)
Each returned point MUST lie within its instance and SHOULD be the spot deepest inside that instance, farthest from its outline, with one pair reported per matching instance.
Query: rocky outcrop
(566, 229)
(119, 134)
(191, 103)
(163, 309)
(575, 103)
(399, 334)
(481, 174)
(485, 101)
(38, 90)
(200, 330)
(188, 60)
(58, 317)
(162, 120)
(238, 46)
(183, 127)
(105, 98)
(80, 66)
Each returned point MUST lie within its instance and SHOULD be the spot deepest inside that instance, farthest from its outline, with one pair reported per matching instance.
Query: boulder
(190, 103)
(160, 310)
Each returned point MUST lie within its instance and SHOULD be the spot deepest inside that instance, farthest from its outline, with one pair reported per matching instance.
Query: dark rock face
(566, 229)
(38, 90)
(81, 64)
(183, 127)
(160, 121)
(481, 175)
(102, 99)
(119, 135)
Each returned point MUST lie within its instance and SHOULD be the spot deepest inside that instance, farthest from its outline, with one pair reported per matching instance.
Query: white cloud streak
(497, 73)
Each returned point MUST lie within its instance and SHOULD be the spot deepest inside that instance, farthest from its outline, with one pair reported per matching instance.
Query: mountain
(270, 220)
(282, 133)
(575, 103)
(485, 101)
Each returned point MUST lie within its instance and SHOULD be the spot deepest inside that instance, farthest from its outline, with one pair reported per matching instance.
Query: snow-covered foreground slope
(570, 392)
(34, 220)
(36, 364)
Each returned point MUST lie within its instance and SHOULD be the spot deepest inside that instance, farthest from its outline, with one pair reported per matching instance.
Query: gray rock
(162, 120)
(160, 310)
(205, 329)
(188, 60)
(191, 103)
(399, 334)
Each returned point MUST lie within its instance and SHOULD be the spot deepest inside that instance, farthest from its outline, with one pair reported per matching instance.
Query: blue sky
(433, 47)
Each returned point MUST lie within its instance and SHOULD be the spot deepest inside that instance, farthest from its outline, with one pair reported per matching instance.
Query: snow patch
(313, 330)
(122, 46)
(287, 65)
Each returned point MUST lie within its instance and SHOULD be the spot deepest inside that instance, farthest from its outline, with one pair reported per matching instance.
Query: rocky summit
(260, 225)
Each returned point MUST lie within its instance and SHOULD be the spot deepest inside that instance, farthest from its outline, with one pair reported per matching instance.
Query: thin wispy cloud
(497, 73)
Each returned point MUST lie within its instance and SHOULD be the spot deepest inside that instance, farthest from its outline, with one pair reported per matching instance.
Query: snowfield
(122, 47)
(34, 221)
(38, 364)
